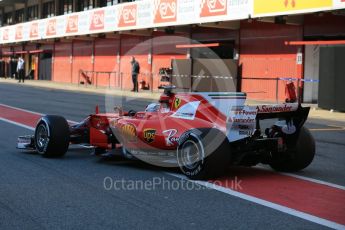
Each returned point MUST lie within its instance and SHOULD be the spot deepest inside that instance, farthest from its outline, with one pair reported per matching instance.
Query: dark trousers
(135, 82)
(21, 75)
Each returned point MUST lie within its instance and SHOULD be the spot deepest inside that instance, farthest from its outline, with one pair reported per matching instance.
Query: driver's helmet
(153, 107)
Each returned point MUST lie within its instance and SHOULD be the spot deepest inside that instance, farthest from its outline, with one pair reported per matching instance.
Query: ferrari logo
(129, 132)
(149, 135)
(177, 102)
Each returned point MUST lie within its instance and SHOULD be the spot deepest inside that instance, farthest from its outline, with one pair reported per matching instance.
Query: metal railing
(268, 89)
(116, 80)
(94, 77)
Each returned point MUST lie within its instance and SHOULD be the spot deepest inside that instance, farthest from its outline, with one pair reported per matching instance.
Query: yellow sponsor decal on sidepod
(129, 132)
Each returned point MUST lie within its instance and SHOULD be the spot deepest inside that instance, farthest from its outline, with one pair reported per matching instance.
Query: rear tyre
(52, 136)
(296, 157)
(203, 154)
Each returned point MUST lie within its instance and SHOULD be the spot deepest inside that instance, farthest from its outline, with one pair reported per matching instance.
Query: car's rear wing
(243, 120)
(286, 110)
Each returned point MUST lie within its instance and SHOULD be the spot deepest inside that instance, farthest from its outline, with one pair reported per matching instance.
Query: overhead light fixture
(201, 45)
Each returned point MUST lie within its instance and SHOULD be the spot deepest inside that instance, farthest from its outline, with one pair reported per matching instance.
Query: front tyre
(52, 136)
(296, 157)
(203, 154)
(126, 154)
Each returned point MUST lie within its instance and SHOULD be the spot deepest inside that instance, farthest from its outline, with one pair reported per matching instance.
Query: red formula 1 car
(202, 133)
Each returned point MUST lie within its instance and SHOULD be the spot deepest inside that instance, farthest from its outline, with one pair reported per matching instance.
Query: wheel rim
(42, 136)
(190, 154)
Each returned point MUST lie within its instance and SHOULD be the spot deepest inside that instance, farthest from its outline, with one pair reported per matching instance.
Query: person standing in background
(7, 68)
(12, 68)
(20, 69)
(135, 72)
(14, 63)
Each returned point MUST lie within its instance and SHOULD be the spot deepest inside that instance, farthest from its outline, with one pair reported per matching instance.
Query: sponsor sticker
(277, 108)
(149, 135)
(187, 111)
(148, 153)
(184, 137)
(129, 132)
(241, 122)
(170, 138)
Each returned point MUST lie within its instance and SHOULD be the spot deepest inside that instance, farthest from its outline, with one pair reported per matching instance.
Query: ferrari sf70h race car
(201, 133)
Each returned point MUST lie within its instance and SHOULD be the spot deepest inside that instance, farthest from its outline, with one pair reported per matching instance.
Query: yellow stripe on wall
(276, 6)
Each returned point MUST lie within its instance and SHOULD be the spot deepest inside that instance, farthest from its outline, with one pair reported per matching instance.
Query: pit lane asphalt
(68, 193)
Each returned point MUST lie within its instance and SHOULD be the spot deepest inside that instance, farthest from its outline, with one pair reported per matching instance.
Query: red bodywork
(154, 130)
(158, 131)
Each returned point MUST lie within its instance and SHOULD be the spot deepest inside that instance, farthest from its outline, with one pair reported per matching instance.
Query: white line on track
(16, 123)
(28, 111)
(24, 110)
(228, 191)
(315, 181)
(265, 203)
(304, 178)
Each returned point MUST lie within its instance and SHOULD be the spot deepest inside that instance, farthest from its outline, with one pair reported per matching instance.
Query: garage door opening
(224, 50)
(210, 68)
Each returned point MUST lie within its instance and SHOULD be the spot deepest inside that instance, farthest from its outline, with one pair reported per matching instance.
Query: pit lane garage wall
(260, 44)
(264, 57)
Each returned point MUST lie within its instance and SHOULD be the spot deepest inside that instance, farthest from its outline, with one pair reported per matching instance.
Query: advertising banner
(157, 13)
(338, 4)
(282, 7)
